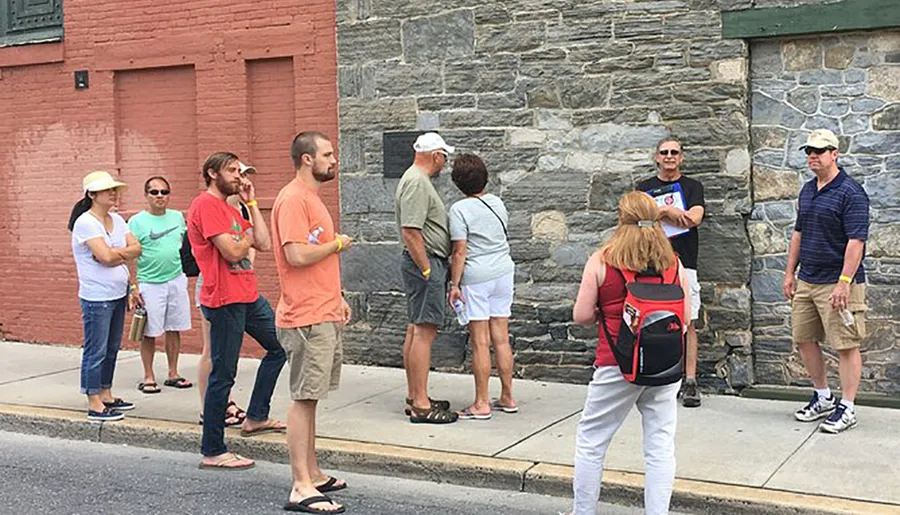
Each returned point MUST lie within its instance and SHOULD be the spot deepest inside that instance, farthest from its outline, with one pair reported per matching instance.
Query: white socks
(824, 393)
(850, 405)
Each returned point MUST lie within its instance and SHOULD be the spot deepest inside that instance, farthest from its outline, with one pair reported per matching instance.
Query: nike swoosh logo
(158, 235)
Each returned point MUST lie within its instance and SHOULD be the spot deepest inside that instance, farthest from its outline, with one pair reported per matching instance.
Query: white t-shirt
(98, 282)
(488, 251)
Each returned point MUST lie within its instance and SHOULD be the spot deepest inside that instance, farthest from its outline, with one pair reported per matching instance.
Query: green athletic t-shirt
(160, 237)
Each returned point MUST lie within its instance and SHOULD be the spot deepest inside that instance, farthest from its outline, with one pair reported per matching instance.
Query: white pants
(609, 400)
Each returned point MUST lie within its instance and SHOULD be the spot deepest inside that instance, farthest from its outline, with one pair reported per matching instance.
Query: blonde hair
(634, 247)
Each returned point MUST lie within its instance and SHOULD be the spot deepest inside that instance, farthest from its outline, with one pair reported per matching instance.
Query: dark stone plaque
(398, 152)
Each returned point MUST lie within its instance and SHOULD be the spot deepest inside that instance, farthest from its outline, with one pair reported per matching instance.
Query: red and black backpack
(650, 346)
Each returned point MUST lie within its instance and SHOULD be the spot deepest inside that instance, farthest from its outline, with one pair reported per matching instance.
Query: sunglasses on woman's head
(158, 192)
(666, 152)
(817, 151)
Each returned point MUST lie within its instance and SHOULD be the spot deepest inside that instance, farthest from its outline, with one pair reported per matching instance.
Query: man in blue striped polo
(829, 300)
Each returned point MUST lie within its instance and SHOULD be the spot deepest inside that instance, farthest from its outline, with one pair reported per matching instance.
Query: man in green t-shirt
(162, 286)
(425, 232)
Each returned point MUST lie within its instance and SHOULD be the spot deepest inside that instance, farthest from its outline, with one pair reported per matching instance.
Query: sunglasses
(669, 152)
(158, 192)
(817, 151)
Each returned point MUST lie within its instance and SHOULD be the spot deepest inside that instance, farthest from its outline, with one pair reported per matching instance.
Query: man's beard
(323, 176)
(226, 187)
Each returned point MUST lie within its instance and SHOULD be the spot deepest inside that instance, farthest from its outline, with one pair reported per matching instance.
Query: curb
(436, 466)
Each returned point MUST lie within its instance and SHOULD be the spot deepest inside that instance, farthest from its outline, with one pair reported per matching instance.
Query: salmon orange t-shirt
(309, 294)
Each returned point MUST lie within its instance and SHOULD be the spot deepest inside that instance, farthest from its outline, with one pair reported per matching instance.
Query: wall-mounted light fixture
(81, 79)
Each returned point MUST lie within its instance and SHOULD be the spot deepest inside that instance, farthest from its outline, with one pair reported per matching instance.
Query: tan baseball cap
(821, 138)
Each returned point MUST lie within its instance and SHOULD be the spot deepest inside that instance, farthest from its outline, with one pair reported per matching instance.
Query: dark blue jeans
(103, 324)
(227, 326)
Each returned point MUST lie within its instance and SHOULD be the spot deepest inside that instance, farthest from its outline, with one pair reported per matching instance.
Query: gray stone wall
(849, 84)
(565, 101)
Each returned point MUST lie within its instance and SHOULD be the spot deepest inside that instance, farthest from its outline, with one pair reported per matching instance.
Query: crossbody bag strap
(505, 233)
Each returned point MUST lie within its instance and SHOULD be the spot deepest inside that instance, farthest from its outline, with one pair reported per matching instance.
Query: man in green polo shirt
(162, 285)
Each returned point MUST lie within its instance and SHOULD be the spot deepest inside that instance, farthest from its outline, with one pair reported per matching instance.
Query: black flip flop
(178, 382)
(331, 485)
(304, 505)
(149, 388)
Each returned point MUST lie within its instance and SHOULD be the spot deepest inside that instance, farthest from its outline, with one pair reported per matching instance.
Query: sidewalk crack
(789, 456)
(541, 430)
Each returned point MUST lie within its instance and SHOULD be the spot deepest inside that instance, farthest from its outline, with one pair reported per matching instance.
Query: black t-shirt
(686, 244)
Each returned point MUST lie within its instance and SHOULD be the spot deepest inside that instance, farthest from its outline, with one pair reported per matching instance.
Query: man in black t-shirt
(669, 180)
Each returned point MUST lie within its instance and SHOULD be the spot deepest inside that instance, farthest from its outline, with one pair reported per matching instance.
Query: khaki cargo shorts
(314, 353)
(814, 320)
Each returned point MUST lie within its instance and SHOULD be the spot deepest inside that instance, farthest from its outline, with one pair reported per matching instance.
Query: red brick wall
(170, 82)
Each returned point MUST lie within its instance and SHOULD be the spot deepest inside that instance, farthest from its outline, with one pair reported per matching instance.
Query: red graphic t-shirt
(223, 282)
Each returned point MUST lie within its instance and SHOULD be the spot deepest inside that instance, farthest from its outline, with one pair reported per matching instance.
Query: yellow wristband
(251, 203)
(340, 244)
(426, 273)
(846, 279)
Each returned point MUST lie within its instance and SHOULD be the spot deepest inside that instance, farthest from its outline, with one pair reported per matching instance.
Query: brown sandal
(444, 405)
(432, 415)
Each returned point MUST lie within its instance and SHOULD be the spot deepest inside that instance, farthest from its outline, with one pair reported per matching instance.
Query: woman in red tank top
(638, 244)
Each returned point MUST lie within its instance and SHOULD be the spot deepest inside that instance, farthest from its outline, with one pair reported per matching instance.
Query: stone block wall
(565, 101)
(849, 84)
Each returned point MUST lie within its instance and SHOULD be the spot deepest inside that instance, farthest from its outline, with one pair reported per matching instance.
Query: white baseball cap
(431, 141)
(821, 138)
(100, 181)
(246, 169)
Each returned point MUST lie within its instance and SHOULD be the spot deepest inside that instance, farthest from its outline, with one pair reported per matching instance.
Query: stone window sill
(44, 52)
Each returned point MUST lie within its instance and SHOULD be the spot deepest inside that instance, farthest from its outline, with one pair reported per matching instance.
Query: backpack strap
(672, 275)
(609, 340)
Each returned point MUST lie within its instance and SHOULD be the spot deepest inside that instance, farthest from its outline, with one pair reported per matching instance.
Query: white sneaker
(816, 409)
(841, 419)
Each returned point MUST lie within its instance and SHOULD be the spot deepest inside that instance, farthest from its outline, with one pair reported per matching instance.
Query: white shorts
(691, 275)
(168, 306)
(489, 299)
(197, 288)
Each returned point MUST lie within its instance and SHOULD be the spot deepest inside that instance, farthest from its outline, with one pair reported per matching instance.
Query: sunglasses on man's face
(158, 192)
(667, 152)
(817, 151)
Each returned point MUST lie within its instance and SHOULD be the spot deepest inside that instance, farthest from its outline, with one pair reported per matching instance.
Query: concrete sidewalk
(747, 454)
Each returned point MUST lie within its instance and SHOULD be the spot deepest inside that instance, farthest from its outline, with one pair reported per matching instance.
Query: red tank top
(611, 298)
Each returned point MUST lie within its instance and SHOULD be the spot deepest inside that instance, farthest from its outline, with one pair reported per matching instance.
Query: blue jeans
(103, 324)
(226, 333)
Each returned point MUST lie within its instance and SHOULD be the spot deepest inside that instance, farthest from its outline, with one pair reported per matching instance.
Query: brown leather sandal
(444, 405)
(432, 415)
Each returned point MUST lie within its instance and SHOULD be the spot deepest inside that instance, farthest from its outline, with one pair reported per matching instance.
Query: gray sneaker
(690, 396)
(816, 409)
(841, 419)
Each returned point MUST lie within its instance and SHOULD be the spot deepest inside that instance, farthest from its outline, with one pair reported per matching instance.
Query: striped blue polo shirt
(828, 219)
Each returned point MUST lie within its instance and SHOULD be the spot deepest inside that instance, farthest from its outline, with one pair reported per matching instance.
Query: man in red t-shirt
(221, 241)
(311, 313)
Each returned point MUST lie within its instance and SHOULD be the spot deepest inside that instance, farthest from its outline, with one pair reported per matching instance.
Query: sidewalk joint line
(38, 376)
(541, 430)
(791, 455)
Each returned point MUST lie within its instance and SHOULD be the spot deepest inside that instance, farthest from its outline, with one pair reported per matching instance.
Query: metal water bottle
(138, 322)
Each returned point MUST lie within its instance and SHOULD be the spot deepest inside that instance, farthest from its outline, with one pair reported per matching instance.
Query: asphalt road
(44, 475)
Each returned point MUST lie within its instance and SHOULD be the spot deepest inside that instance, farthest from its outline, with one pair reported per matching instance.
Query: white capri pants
(609, 400)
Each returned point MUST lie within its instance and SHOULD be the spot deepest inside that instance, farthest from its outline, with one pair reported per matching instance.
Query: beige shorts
(814, 320)
(314, 354)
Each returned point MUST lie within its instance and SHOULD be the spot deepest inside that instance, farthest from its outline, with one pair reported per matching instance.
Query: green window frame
(30, 21)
